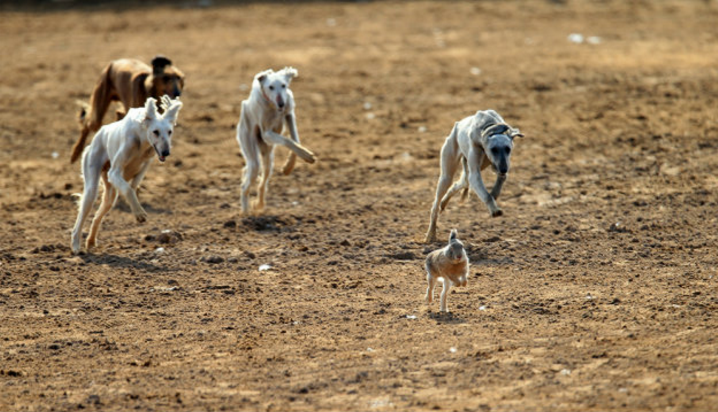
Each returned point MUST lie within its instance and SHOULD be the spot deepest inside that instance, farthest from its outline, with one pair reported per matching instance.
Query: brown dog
(131, 82)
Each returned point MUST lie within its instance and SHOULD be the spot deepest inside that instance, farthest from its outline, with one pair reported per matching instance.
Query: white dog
(477, 142)
(268, 109)
(120, 153)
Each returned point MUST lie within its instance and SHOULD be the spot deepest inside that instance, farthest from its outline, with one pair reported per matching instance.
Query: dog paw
(497, 213)
(141, 217)
(257, 206)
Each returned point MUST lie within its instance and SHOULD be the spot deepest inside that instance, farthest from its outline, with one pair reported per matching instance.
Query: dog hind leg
(90, 174)
(99, 102)
(462, 183)
(267, 166)
(108, 199)
(249, 145)
(449, 163)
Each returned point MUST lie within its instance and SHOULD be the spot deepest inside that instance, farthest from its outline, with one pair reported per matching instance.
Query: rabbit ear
(452, 235)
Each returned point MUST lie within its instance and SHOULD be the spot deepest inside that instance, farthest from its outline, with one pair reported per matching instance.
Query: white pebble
(264, 267)
(369, 350)
(452, 349)
(422, 129)
(370, 116)
(482, 307)
(411, 316)
(475, 71)
(55, 155)
(565, 372)
(367, 106)
(160, 250)
(575, 38)
(593, 40)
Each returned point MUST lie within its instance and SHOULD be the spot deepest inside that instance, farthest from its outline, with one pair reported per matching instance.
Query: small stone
(212, 259)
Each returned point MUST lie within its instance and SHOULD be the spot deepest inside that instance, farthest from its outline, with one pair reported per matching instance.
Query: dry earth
(595, 291)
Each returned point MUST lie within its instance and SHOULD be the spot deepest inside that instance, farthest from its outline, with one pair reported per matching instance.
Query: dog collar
(495, 129)
(267, 97)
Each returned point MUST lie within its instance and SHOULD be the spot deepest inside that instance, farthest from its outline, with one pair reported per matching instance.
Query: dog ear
(452, 235)
(159, 63)
(290, 73)
(173, 111)
(262, 76)
(150, 109)
(165, 102)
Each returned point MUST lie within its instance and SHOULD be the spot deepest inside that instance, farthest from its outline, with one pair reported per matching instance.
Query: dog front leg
(496, 190)
(301, 151)
(122, 186)
(291, 121)
(476, 182)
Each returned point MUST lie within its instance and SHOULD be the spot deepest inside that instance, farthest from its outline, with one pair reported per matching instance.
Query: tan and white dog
(120, 154)
(269, 108)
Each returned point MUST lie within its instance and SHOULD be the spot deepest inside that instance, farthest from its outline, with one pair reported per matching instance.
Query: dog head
(159, 127)
(275, 86)
(498, 141)
(166, 78)
(455, 249)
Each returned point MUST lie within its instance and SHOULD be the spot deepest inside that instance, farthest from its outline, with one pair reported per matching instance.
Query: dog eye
(271, 87)
(508, 150)
(156, 132)
(284, 86)
(166, 78)
(169, 133)
(495, 150)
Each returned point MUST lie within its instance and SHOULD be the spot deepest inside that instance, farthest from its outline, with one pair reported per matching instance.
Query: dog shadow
(122, 206)
(120, 262)
(446, 318)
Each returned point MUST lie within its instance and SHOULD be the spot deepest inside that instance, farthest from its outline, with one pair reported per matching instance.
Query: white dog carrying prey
(477, 142)
(120, 153)
(268, 109)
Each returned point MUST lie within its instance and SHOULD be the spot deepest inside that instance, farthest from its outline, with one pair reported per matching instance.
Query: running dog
(120, 154)
(130, 82)
(269, 108)
(476, 142)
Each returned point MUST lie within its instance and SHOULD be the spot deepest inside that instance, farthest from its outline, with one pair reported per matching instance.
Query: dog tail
(91, 115)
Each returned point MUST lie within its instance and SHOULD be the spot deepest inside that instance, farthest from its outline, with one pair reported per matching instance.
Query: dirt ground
(595, 291)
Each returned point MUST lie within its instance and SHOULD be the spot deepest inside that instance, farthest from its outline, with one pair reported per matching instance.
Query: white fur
(268, 109)
(120, 154)
(476, 142)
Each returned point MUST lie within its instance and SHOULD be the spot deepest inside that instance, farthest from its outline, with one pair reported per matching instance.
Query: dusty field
(596, 290)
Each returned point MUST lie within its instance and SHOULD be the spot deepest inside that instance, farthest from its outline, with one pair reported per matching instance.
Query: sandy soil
(596, 290)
